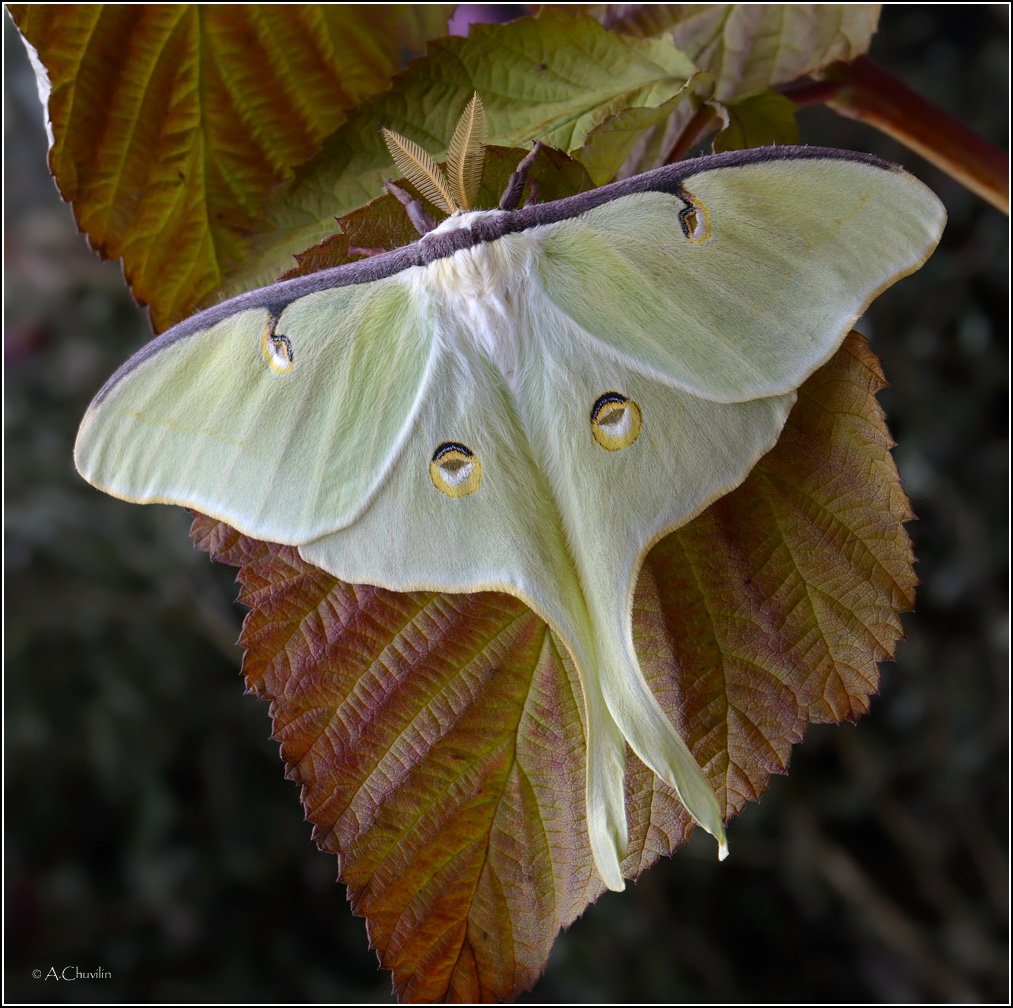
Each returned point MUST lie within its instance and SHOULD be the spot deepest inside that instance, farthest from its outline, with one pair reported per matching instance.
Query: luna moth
(525, 400)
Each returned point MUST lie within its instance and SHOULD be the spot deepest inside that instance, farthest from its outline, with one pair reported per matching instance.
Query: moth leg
(422, 221)
(511, 197)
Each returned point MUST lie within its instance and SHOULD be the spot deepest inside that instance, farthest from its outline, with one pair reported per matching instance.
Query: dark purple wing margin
(668, 178)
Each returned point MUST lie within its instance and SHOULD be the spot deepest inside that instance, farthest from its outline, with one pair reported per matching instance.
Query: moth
(525, 399)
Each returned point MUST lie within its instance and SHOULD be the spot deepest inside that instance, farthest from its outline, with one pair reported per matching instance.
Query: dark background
(150, 832)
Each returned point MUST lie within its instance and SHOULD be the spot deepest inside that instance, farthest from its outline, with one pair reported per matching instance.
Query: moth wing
(746, 283)
(560, 521)
(280, 422)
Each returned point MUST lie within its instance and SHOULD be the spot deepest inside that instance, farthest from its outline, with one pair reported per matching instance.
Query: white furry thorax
(483, 287)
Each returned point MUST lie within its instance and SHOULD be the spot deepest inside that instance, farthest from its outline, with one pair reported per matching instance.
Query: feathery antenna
(467, 153)
(456, 188)
(421, 170)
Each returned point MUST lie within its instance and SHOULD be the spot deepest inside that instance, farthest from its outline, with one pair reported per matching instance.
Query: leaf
(751, 47)
(757, 121)
(554, 78)
(779, 600)
(746, 47)
(453, 800)
(465, 154)
(438, 739)
(609, 144)
(174, 123)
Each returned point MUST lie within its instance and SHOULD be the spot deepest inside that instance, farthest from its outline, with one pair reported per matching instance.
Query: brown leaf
(438, 745)
(438, 740)
(173, 123)
(773, 608)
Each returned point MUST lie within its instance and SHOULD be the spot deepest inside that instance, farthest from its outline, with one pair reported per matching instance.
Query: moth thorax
(463, 221)
(482, 286)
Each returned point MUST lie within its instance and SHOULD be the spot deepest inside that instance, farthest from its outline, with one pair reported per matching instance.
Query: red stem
(866, 92)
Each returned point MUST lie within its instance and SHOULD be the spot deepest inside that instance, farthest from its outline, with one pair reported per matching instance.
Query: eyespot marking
(615, 421)
(694, 219)
(455, 470)
(277, 350)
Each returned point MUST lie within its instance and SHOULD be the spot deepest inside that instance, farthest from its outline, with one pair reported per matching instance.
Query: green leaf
(751, 47)
(610, 143)
(174, 123)
(757, 121)
(555, 78)
(439, 739)
(746, 48)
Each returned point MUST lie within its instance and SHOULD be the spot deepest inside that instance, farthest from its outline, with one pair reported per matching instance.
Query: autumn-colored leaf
(172, 123)
(779, 600)
(438, 740)
(438, 745)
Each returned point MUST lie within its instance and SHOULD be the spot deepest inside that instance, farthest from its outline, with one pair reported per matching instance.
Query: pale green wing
(280, 424)
(749, 283)
(530, 412)
(620, 487)
(560, 521)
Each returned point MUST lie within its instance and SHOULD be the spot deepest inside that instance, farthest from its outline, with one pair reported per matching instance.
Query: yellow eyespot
(695, 219)
(277, 350)
(615, 421)
(455, 469)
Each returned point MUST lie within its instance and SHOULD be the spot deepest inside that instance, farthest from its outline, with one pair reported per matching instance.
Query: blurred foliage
(150, 831)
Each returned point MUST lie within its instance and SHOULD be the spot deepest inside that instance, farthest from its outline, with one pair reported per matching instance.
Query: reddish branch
(864, 91)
